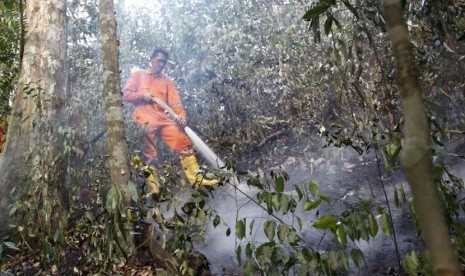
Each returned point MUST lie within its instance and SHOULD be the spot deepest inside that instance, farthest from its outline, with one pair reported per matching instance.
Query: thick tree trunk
(416, 155)
(116, 141)
(31, 175)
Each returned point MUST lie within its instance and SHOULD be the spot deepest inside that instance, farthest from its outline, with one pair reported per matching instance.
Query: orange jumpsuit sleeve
(131, 91)
(174, 100)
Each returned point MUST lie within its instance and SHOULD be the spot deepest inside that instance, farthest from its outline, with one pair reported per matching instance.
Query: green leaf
(373, 225)
(333, 260)
(132, 188)
(216, 221)
(279, 182)
(396, 198)
(58, 236)
(341, 235)
(270, 229)
(292, 237)
(240, 229)
(402, 192)
(249, 268)
(315, 26)
(285, 200)
(264, 253)
(393, 147)
(411, 263)
(350, 8)
(299, 223)
(269, 203)
(304, 256)
(249, 250)
(314, 187)
(276, 202)
(112, 200)
(11, 245)
(325, 222)
(325, 198)
(157, 216)
(255, 183)
(47, 209)
(310, 205)
(328, 24)
(386, 160)
(299, 191)
(344, 261)
(179, 218)
(13, 210)
(386, 224)
(252, 223)
(361, 228)
(315, 12)
(239, 254)
(357, 256)
(283, 231)
(188, 207)
(329, 2)
(122, 228)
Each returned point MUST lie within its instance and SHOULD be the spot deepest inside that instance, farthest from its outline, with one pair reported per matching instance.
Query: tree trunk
(115, 125)
(416, 155)
(116, 141)
(31, 164)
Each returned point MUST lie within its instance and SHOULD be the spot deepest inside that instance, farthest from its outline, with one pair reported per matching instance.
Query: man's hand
(147, 97)
(181, 121)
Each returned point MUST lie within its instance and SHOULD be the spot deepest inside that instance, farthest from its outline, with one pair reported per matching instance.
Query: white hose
(212, 158)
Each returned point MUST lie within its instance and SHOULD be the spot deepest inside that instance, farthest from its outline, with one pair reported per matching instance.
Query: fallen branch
(269, 137)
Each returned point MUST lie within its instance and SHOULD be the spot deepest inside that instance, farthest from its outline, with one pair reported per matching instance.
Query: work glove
(181, 120)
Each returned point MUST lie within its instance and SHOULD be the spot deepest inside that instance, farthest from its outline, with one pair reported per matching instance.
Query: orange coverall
(151, 116)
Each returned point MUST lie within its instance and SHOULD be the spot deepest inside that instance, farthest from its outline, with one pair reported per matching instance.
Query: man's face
(158, 63)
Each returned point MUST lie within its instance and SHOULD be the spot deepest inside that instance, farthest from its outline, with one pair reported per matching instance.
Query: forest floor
(346, 177)
(341, 174)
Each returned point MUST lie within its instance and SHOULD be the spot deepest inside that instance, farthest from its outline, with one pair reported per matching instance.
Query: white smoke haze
(344, 186)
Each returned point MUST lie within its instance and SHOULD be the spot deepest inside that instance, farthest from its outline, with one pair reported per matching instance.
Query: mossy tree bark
(32, 178)
(416, 155)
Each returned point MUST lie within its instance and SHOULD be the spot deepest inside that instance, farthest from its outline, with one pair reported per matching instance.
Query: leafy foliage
(11, 26)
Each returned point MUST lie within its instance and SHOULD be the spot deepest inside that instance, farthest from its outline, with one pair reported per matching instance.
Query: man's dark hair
(160, 51)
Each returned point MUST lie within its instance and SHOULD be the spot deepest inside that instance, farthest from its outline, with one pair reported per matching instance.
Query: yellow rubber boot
(152, 180)
(191, 167)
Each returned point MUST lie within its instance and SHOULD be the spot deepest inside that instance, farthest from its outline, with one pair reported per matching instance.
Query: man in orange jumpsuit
(139, 90)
